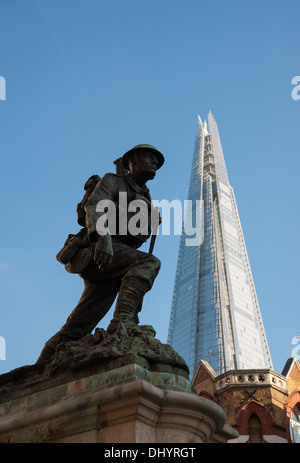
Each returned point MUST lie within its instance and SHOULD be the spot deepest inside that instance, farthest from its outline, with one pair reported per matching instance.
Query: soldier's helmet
(139, 149)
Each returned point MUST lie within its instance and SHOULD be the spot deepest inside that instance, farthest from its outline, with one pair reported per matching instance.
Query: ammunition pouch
(76, 253)
(80, 261)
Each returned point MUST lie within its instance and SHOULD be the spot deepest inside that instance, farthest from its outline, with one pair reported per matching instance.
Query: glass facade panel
(215, 314)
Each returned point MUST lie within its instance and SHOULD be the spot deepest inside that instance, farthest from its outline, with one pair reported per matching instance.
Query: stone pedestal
(125, 405)
(121, 388)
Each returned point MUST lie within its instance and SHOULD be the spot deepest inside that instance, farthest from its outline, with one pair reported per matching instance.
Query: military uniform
(131, 272)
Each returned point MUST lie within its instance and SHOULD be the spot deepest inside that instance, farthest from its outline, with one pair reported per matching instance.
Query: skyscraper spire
(215, 314)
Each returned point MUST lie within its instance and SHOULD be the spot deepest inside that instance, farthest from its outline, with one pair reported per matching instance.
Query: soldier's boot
(128, 304)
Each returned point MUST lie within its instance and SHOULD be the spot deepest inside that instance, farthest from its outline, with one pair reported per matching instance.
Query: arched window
(255, 430)
(295, 425)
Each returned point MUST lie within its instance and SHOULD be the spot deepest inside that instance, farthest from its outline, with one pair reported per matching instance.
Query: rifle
(154, 229)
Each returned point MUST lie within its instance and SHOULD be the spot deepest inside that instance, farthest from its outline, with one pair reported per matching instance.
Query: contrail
(51, 30)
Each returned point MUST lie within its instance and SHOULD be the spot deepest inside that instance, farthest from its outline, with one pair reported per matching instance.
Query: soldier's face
(143, 166)
(148, 163)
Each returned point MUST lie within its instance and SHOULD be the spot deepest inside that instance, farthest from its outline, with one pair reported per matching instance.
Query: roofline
(289, 365)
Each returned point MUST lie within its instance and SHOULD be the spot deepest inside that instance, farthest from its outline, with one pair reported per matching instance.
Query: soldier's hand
(103, 253)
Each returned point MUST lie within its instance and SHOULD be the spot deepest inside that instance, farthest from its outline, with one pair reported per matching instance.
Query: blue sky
(86, 81)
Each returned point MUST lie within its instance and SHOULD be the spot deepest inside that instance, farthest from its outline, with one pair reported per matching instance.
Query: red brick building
(262, 405)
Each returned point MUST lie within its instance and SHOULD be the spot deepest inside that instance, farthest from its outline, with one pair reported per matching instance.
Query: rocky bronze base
(100, 352)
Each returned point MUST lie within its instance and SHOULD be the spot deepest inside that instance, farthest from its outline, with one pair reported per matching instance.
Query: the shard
(215, 313)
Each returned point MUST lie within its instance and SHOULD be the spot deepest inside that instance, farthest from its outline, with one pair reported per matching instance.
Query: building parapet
(246, 378)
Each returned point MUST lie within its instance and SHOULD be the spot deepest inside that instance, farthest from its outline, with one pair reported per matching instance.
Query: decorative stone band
(257, 378)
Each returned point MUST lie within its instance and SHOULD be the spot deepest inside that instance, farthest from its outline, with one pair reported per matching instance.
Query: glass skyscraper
(215, 314)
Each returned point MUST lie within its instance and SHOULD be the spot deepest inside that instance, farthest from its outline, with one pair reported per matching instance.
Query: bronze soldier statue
(110, 264)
